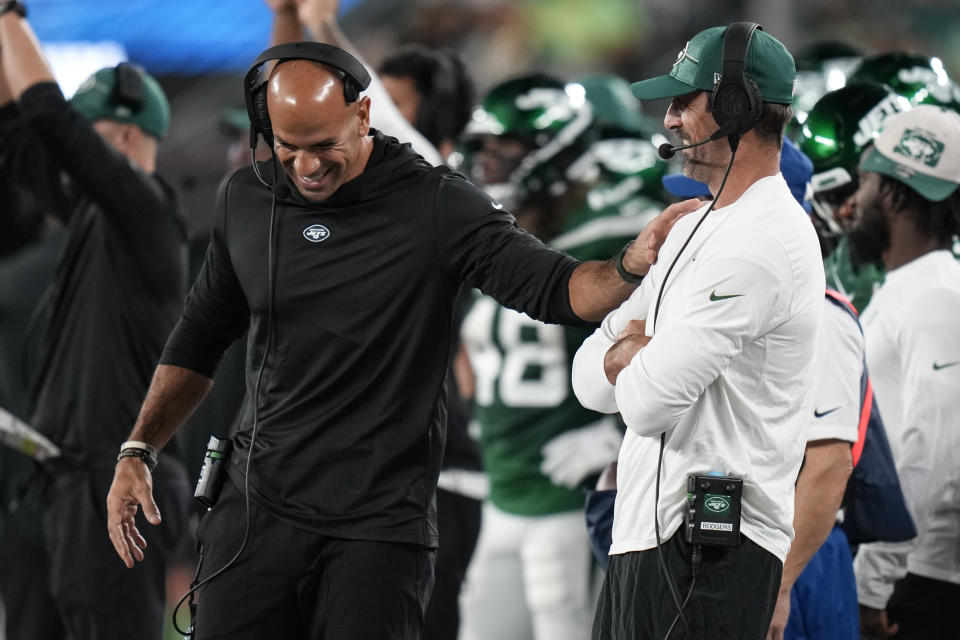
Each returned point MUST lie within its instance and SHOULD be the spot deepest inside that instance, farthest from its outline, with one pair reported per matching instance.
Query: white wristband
(137, 444)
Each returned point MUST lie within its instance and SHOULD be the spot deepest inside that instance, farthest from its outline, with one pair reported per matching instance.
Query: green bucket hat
(700, 63)
(920, 147)
(98, 98)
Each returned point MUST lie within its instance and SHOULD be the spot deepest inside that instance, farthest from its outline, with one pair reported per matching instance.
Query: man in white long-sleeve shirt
(714, 369)
(908, 209)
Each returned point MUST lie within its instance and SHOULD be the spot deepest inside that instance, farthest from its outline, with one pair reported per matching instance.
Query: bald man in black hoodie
(347, 288)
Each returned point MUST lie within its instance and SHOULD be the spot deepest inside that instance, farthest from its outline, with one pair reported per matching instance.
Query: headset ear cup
(262, 115)
(736, 98)
(728, 103)
(736, 103)
(350, 90)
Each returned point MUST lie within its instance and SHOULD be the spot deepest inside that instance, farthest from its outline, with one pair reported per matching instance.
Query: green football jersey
(856, 283)
(523, 394)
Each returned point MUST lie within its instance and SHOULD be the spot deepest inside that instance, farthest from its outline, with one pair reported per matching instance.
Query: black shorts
(292, 584)
(97, 597)
(924, 608)
(733, 598)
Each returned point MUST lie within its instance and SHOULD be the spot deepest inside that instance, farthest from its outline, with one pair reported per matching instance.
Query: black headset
(736, 100)
(437, 113)
(355, 79)
(129, 89)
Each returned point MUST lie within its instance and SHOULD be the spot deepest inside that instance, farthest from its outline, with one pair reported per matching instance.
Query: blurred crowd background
(200, 49)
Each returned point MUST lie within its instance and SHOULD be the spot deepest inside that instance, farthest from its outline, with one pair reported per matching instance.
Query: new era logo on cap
(921, 148)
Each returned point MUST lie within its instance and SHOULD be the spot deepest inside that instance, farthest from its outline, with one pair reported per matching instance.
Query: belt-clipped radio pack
(712, 513)
(214, 471)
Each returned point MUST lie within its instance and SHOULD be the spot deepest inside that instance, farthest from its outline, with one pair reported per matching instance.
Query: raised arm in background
(46, 136)
(319, 18)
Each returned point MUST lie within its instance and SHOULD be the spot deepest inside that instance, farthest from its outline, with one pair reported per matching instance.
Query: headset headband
(129, 85)
(736, 42)
(355, 79)
(317, 52)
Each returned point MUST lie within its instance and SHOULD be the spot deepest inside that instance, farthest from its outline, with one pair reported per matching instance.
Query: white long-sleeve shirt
(912, 331)
(728, 375)
(385, 117)
(835, 412)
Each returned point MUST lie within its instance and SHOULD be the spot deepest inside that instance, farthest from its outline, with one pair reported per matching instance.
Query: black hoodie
(351, 403)
(119, 279)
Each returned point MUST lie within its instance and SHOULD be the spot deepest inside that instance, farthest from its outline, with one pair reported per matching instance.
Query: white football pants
(530, 577)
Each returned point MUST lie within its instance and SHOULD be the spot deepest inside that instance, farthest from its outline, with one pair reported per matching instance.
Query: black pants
(292, 584)
(925, 609)
(24, 579)
(459, 526)
(733, 598)
(97, 597)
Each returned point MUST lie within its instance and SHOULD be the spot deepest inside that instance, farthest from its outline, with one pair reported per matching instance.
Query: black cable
(713, 203)
(695, 559)
(663, 565)
(256, 168)
(663, 436)
(679, 613)
(271, 274)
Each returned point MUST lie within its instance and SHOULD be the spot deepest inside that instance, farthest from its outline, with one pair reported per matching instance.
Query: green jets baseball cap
(98, 98)
(920, 147)
(700, 63)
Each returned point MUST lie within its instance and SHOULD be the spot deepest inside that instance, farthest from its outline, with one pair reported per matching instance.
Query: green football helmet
(920, 79)
(616, 112)
(524, 136)
(622, 166)
(837, 129)
(821, 67)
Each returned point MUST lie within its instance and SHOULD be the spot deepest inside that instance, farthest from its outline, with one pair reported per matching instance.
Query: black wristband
(13, 5)
(626, 276)
(144, 455)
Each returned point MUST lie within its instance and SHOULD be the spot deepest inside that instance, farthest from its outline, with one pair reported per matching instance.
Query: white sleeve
(929, 443)
(878, 566)
(836, 401)
(589, 379)
(385, 117)
(694, 348)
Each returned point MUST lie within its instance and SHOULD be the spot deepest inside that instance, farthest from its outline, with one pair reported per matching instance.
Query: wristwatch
(6, 6)
(626, 276)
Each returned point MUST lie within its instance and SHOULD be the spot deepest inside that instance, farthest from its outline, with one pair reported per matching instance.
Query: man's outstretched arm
(596, 288)
(174, 395)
